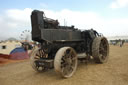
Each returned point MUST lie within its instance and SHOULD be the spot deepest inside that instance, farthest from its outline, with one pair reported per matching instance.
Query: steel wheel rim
(35, 56)
(68, 62)
(103, 50)
(63, 64)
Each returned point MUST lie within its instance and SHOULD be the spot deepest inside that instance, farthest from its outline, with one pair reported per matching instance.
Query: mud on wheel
(65, 62)
(35, 56)
(100, 49)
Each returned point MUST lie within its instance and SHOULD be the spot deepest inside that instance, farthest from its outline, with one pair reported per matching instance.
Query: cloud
(79, 19)
(88, 20)
(14, 21)
(18, 17)
(119, 4)
(115, 27)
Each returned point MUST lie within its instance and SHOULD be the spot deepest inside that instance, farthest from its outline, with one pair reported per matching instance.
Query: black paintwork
(51, 36)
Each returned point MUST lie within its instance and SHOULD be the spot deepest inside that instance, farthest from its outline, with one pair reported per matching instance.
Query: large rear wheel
(100, 49)
(65, 62)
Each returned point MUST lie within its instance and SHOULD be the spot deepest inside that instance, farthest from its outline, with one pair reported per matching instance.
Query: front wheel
(65, 62)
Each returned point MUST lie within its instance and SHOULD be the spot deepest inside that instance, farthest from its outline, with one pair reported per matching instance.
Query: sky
(109, 17)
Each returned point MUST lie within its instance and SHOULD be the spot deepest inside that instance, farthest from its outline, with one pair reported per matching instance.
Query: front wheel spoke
(64, 58)
(67, 69)
(67, 55)
(71, 52)
(63, 64)
(73, 58)
(71, 68)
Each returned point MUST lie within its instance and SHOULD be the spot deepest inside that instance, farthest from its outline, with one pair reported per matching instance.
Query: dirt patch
(114, 72)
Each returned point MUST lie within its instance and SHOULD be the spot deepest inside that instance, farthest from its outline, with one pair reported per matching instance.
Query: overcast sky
(109, 17)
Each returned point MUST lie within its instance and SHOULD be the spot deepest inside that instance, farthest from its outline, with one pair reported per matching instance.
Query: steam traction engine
(60, 47)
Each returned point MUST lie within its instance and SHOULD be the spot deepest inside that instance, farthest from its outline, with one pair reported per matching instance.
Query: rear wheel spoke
(37, 55)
